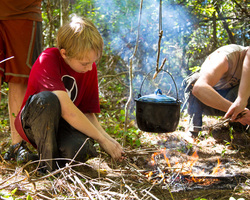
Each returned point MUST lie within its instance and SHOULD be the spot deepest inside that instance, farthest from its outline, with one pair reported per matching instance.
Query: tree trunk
(64, 15)
(220, 14)
(214, 31)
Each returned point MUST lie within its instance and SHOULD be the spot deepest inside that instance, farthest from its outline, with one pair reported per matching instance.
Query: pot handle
(158, 91)
(177, 96)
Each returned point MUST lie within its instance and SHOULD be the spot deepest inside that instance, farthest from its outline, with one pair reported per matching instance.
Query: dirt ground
(228, 143)
(230, 146)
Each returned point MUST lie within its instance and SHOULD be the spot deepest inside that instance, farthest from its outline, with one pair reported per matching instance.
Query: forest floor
(166, 166)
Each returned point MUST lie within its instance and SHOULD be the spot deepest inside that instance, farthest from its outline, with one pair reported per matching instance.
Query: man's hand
(235, 109)
(243, 117)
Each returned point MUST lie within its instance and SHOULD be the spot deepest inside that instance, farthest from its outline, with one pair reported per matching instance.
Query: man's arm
(212, 70)
(80, 122)
(244, 90)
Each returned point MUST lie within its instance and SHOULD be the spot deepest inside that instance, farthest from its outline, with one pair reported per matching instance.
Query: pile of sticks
(68, 182)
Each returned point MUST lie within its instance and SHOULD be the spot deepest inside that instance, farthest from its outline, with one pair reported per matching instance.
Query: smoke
(121, 29)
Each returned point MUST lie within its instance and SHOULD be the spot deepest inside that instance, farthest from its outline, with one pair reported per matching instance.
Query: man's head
(78, 37)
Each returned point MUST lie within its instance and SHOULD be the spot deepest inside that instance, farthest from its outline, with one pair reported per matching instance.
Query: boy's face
(80, 66)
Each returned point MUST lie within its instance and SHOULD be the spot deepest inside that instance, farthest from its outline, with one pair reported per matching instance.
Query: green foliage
(4, 116)
(200, 198)
(51, 22)
(231, 130)
(29, 197)
(132, 135)
(195, 68)
(191, 30)
(210, 18)
(12, 195)
(113, 123)
(13, 191)
(4, 194)
(228, 143)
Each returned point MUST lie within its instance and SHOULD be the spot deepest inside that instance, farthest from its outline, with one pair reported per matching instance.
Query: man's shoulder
(232, 48)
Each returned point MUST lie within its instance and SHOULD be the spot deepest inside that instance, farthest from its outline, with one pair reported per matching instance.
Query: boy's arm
(92, 118)
(80, 122)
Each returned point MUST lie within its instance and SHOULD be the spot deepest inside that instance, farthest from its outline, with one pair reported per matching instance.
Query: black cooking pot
(156, 112)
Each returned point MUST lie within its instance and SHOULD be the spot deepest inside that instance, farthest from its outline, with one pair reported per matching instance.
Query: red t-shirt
(50, 73)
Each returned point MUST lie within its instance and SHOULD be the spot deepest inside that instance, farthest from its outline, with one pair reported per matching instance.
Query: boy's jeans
(53, 136)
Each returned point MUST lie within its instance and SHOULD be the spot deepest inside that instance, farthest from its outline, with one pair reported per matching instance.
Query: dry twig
(240, 115)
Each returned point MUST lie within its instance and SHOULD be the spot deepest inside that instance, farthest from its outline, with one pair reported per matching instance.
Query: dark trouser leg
(229, 94)
(40, 119)
(196, 108)
(70, 140)
(52, 135)
(195, 114)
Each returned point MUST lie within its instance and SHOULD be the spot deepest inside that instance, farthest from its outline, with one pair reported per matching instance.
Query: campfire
(187, 175)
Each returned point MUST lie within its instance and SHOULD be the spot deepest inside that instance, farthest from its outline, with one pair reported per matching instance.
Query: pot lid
(157, 97)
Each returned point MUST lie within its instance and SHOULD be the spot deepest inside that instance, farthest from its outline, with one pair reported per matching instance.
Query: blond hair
(78, 37)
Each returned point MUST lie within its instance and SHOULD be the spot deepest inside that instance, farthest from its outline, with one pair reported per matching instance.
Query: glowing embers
(184, 174)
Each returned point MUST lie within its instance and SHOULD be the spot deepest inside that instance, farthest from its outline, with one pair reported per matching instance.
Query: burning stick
(208, 180)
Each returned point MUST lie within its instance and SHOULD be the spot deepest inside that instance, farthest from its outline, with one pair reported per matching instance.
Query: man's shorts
(23, 40)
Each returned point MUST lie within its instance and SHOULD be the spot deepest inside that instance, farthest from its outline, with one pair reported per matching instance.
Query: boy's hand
(113, 148)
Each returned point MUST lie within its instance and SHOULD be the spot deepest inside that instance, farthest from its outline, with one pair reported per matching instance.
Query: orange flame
(217, 169)
(166, 158)
(188, 166)
(162, 152)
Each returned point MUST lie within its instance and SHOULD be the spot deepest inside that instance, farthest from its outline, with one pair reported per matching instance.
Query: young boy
(57, 114)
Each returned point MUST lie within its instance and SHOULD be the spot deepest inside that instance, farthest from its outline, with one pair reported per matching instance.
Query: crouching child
(58, 111)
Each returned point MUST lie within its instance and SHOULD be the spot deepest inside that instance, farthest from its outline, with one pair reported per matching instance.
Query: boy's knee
(43, 103)
(47, 99)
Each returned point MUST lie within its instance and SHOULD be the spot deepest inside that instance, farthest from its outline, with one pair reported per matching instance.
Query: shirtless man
(222, 87)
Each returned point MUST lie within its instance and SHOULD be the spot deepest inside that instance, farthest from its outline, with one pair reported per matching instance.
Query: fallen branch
(219, 124)
(83, 187)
